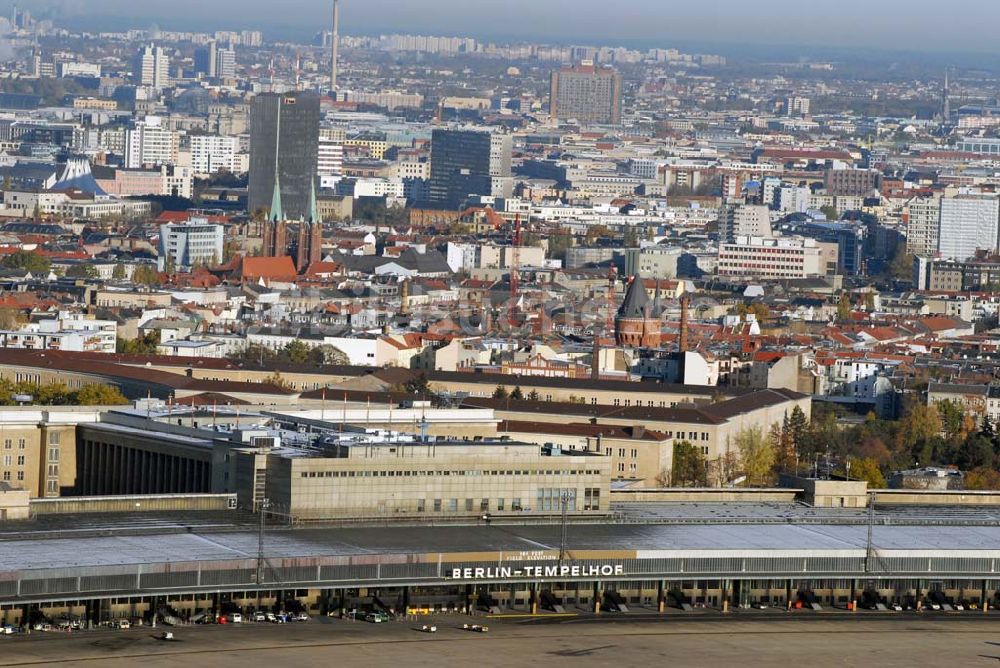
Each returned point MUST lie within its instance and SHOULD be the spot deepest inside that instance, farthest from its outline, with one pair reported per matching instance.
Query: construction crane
(609, 316)
(515, 270)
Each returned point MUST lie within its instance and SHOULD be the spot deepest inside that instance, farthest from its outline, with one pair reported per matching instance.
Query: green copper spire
(313, 208)
(276, 212)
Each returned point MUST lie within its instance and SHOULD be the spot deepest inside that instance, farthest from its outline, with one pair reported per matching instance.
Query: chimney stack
(684, 335)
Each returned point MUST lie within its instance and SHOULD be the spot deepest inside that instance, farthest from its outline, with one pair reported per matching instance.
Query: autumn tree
(99, 395)
(866, 469)
(757, 454)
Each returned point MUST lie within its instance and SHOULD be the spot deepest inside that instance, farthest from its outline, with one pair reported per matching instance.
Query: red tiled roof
(274, 268)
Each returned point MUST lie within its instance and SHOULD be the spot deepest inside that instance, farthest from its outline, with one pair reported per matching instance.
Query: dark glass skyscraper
(284, 129)
(468, 162)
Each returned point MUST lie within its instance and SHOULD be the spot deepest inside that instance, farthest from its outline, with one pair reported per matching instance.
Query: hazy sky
(915, 25)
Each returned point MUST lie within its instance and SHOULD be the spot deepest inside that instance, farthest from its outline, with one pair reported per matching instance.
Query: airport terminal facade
(602, 568)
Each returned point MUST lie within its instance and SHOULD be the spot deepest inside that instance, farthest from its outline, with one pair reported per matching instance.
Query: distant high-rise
(284, 139)
(226, 64)
(468, 163)
(586, 93)
(152, 67)
(797, 106)
(969, 223)
(206, 59)
(946, 99)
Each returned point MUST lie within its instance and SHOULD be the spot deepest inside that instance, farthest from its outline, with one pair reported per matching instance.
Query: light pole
(263, 507)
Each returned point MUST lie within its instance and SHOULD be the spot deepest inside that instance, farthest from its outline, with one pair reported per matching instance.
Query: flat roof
(37, 552)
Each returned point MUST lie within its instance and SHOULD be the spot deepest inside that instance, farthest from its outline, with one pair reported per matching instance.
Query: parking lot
(758, 638)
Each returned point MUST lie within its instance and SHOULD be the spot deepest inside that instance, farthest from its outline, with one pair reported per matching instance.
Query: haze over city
(893, 24)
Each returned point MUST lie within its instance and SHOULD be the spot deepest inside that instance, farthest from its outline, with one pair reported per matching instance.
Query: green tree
(952, 415)
(145, 274)
(798, 428)
(901, 266)
(689, 467)
(418, 385)
(517, 394)
(118, 273)
(27, 261)
(559, 241)
(500, 392)
(534, 396)
(296, 352)
(99, 395)
(830, 212)
(146, 344)
(82, 271)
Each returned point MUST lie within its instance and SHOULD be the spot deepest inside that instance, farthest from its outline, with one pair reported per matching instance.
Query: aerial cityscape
(446, 338)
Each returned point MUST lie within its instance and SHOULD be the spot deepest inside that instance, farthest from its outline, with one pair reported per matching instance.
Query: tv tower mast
(334, 45)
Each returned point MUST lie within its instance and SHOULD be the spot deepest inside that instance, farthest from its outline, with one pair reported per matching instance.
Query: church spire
(276, 210)
(313, 207)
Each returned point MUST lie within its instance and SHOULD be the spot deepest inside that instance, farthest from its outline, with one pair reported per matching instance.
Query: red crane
(515, 270)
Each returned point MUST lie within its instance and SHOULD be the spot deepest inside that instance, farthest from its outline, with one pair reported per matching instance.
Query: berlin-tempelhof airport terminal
(724, 557)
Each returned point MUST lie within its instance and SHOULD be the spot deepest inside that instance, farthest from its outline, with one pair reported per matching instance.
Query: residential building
(586, 93)
(152, 67)
(968, 224)
(211, 154)
(922, 217)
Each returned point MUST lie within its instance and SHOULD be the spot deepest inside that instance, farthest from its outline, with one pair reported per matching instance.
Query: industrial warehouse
(695, 555)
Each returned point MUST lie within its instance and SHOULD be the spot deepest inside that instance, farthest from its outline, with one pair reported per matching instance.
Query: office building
(151, 142)
(851, 182)
(315, 469)
(152, 67)
(329, 162)
(187, 245)
(968, 224)
(468, 163)
(284, 141)
(587, 93)
(922, 217)
(744, 220)
(781, 258)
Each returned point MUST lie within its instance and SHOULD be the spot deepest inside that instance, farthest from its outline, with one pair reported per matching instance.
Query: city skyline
(716, 22)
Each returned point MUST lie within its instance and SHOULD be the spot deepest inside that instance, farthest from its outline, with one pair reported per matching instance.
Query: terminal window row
(408, 474)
